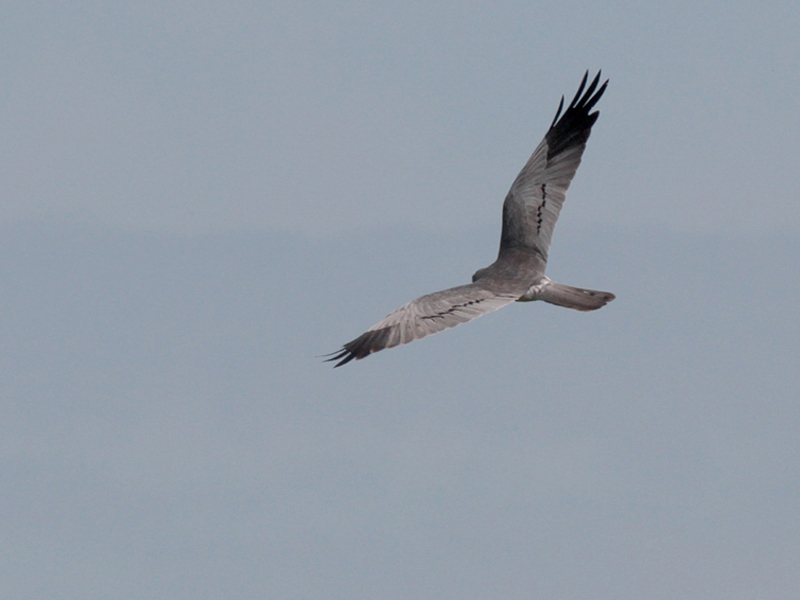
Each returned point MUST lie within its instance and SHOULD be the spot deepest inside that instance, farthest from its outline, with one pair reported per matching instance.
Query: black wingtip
(586, 100)
(575, 125)
(344, 356)
(558, 112)
(362, 346)
(580, 88)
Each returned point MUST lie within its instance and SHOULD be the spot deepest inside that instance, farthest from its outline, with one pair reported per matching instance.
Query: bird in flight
(530, 212)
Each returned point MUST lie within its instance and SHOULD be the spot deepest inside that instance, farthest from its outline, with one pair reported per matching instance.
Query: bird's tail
(572, 297)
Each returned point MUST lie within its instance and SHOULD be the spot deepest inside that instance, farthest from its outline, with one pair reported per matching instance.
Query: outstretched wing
(534, 202)
(427, 315)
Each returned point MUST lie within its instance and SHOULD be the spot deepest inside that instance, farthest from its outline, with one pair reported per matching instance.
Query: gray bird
(530, 212)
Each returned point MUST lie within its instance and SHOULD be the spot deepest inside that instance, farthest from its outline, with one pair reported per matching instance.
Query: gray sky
(198, 199)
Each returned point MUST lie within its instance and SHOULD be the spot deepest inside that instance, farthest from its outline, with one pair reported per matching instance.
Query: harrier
(530, 212)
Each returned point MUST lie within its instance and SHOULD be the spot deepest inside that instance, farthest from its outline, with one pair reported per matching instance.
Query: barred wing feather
(424, 316)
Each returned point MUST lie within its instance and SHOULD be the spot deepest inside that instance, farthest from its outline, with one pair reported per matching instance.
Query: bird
(530, 211)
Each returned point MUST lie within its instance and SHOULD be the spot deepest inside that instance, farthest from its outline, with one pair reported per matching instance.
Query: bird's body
(530, 211)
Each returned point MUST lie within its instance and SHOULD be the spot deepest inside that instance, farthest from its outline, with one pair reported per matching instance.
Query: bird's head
(479, 273)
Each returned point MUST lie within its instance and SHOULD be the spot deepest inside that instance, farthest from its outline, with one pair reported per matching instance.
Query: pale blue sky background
(197, 199)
